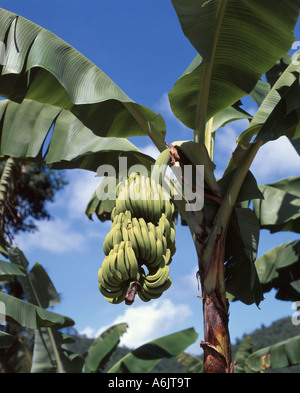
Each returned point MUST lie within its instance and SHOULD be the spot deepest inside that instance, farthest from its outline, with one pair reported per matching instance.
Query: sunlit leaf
(102, 347)
(144, 358)
(279, 269)
(275, 357)
(42, 67)
(233, 51)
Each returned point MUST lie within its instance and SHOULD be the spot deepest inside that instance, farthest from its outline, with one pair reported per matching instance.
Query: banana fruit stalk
(140, 245)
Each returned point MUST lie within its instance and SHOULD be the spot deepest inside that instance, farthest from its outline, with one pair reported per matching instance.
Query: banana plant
(89, 119)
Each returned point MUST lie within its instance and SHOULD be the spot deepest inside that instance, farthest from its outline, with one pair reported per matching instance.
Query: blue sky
(141, 47)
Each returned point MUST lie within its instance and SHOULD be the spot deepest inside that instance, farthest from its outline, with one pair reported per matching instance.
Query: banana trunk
(216, 344)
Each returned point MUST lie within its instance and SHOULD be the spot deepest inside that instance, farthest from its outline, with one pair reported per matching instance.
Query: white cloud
(56, 236)
(151, 150)
(147, 322)
(163, 106)
(275, 160)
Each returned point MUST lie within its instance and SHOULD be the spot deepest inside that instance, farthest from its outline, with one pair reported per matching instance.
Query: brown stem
(216, 344)
(132, 290)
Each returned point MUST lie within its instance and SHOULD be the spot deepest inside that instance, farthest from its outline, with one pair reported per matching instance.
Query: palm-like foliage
(52, 90)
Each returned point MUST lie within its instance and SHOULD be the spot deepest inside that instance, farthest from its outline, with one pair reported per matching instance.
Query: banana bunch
(140, 245)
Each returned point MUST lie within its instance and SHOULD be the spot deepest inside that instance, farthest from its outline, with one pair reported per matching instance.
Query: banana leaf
(279, 269)
(103, 347)
(279, 209)
(41, 67)
(231, 37)
(275, 357)
(144, 358)
(56, 137)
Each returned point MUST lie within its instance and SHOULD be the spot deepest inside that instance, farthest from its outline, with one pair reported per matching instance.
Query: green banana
(132, 239)
(142, 233)
(159, 255)
(110, 294)
(144, 197)
(133, 263)
(117, 234)
(139, 197)
(150, 205)
(143, 297)
(152, 241)
(117, 300)
(167, 256)
(121, 266)
(139, 238)
(159, 289)
(164, 273)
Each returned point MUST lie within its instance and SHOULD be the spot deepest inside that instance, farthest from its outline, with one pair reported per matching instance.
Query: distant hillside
(263, 337)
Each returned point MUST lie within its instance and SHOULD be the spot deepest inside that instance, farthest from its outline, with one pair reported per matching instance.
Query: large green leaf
(283, 117)
(273, 74)
(241, 278)
(31, 316)
(9, 270)
(42, 67)
(279, 210)
(26, 127)
(279, 269)
(102, 348)
(37, 285)
(144, 358)
(101, 208)
(231, 37)
(50, 356)
(274, 357)
(278, 114)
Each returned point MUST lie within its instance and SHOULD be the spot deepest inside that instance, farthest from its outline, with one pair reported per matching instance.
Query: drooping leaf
(101, 208)
(220, 37)
(249, 189)
(241, 279)
(49, 356)
(31, 316)
(37, 285)
(278, 68)
(228, 115)
(26, 126)
(102, 348)
(279, 269)
(260, 91)
(279, 210)
(9, 270)
(144, 358)
(42, 67)
(278, 113)
(275, 357)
